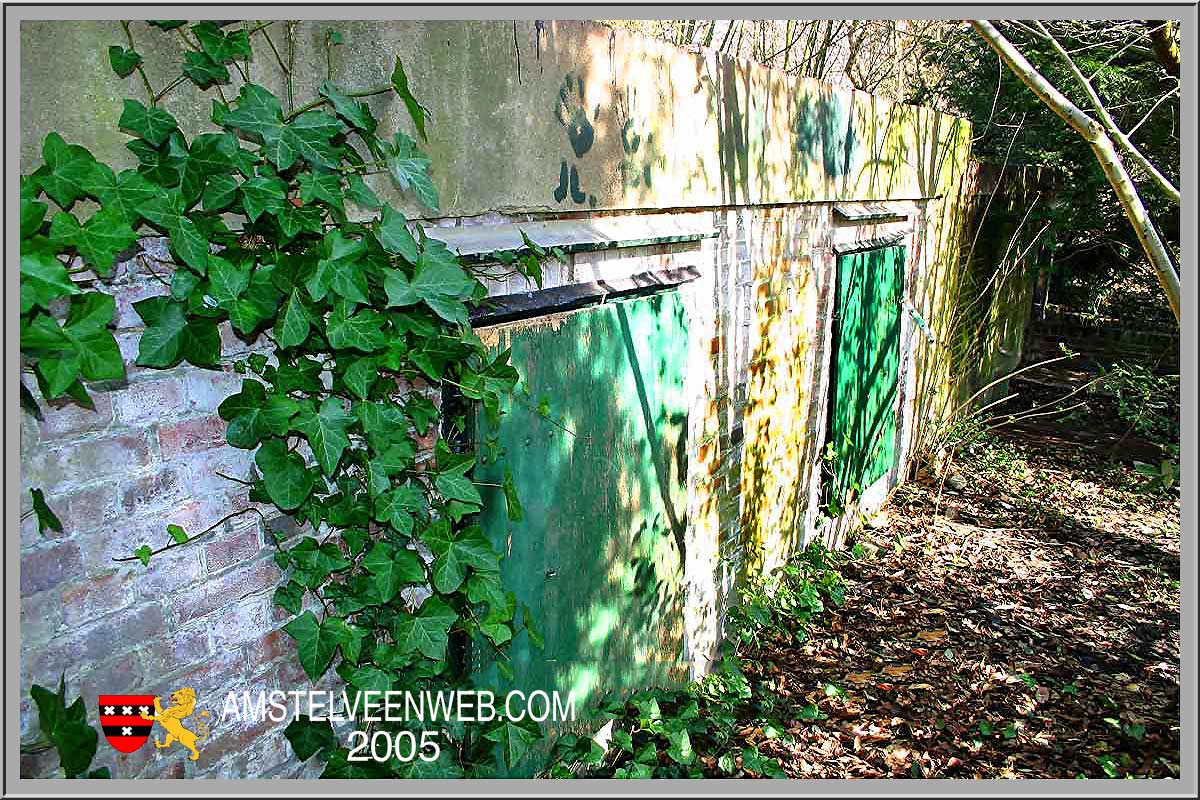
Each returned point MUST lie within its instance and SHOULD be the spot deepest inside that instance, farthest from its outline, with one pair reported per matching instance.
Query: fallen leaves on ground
(1022, 625)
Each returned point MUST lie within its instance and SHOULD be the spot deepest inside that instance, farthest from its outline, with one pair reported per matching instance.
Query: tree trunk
(1106, 153)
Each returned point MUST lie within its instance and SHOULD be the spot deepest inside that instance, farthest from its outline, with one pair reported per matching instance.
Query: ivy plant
(273, 230)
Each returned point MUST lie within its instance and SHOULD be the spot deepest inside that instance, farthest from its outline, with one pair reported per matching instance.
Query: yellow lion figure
(172, 719)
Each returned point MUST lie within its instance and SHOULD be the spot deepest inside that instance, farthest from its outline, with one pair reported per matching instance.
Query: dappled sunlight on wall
(777, 423)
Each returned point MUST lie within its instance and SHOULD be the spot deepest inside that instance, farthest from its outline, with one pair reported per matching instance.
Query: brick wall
(202, 615)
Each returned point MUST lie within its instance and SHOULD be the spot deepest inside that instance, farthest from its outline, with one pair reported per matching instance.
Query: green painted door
(597, 453)
(866, 370)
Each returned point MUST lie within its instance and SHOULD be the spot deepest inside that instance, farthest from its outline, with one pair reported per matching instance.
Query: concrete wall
(685, 137)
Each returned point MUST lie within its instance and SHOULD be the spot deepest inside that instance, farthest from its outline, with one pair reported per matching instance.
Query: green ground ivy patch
(257, 218)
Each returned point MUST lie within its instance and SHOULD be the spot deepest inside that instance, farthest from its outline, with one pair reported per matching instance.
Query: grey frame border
(1186, 786)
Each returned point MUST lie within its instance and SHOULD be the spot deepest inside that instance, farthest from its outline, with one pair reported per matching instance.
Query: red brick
(217, 593)
(207, 678)
(88, 509)
(191, 435)
(87, 645)
(149, 401)
(227, 549)
(237, 624)
(58, 469)
(127, 316)
(95, 597)
(61, 418)
(274, 645)
(47, 567)
(41, 617)
(207, 389)
(161, 490)
(182, 649)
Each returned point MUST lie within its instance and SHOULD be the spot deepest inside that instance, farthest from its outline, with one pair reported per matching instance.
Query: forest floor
(1017, 618)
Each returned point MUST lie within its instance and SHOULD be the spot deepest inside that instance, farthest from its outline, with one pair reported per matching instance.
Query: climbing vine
(273, 229)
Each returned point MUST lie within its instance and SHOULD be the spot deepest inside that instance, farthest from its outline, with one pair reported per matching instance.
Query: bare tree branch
(1106, 153)
(1107, 121)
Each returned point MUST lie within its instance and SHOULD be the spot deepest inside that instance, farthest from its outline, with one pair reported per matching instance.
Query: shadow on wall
(598, 454)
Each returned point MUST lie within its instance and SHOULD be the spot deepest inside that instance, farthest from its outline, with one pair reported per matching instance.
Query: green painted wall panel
(598, 556)
(866, 368)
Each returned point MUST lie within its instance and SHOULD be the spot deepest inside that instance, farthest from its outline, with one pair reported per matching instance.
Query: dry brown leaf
(932, 635)
(897, 670)
(859, 678)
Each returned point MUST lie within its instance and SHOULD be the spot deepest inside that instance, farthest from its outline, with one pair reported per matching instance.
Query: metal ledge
(870, 244)
(480, 243)
(868, 212)
(523, 305)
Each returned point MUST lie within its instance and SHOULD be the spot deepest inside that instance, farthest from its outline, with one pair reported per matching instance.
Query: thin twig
(191, 539)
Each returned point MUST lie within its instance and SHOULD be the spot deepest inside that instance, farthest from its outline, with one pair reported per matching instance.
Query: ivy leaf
(356, 113)
(326, 432)
(427, 631)
(125, 193)
(516, 511)
(290, 597)
(415, 109)
(46, 518)
(165, 164)
(123, 61)
(169, 212)
(152, 124)
(456, 551)
(220, 46)
(315, 643)
(262, 194)
(360, 194)
(288, 481)
(252, 416)
(361, 376)
(361, 331)
(453, 484)
(43, 278)
(349, 637)
(258, 114)
(309, 737)
(514, 738)
(69, 168)
(226, 280)
(680, 749)
(171, 337)
(449, 309)
(395, 236)
(326, 187)
(33, 215)
(98, 240)
(143, 554)
(292, 327)
(367, 678)
(177, 534)
(203, 69)
(76, 745)
(339, 269)
(409, 168)
(293, 220)
(392, 568)
(397, 507)
(83, 344)
(440, 277)
(219, 192)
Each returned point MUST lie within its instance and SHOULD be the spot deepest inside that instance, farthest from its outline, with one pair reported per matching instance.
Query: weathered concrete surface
(536, 116)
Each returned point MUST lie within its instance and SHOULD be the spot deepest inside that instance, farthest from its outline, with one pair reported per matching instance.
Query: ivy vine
(265, 223)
